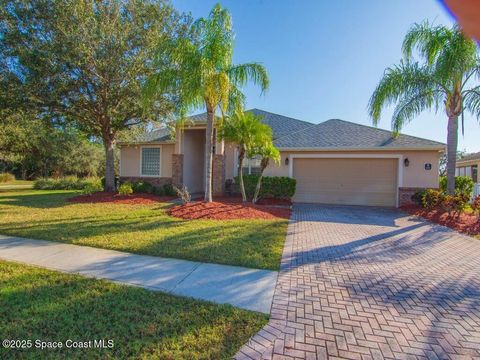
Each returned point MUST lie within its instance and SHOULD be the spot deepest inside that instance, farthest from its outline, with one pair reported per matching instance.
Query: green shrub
(432, 198)
(92, 186)
(68, 183)
(125, 189)
(417, 198)
(279, 187)
(143, 187)
(456, 203)
(6, 177)
(463, 185)
(168, 190)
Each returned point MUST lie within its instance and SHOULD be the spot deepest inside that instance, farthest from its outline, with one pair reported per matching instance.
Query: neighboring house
(468, 166)
(334, 162)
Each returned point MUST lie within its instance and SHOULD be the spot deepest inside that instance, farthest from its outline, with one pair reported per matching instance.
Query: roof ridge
(379, 129)
(288, 117)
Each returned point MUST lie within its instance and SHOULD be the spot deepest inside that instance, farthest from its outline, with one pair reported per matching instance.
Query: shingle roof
(156, 135)
(342, 134)
(280, 125)
(290, 133)
(473, 156)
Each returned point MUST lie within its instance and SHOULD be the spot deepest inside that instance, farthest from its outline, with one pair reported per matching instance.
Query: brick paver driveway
(366, 283)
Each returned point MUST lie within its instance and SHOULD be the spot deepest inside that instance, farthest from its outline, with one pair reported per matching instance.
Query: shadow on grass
(36, 198)
(40, 304)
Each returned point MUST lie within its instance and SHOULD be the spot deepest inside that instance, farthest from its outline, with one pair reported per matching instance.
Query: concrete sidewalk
(250, 289)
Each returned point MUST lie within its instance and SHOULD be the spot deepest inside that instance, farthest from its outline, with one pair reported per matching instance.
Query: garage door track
(363, 283)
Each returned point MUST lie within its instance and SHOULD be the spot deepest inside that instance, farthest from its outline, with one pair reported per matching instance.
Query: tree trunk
(264, 164)
(109, 165)
(209, 153)
(452, 140)
(241, 157)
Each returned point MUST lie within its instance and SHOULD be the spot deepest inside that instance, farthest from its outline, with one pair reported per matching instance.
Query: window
(475, 173)
(150, 161)
(252, 166)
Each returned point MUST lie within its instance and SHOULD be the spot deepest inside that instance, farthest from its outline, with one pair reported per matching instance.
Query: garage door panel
(346, 181)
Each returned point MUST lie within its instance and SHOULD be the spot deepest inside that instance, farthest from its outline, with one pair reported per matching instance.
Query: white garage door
(346, 181)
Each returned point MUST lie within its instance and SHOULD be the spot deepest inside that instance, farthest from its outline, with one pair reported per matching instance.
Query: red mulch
(464, 223)
(228, 210)
(266, 201)
(108, 197)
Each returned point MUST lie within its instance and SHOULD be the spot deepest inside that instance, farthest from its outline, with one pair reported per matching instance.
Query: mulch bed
(109, 197)
(228, 209)
(464, 223)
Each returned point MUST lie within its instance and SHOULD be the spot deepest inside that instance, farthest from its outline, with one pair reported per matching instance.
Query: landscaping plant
(125, 189)
(6, 177)
(268, 152)
(277, 187)
(446, 77)
(476, 205)
(463, 185)
(249, 133)
(203, 75)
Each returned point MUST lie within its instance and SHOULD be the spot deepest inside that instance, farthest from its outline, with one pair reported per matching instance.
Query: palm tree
(204, 76)
(268, 152)
(247, 131)
(447, 77)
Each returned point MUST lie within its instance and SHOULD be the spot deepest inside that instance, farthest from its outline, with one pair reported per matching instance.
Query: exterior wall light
(406, 162)
(286, 161)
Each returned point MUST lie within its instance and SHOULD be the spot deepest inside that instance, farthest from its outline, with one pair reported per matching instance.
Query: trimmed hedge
(463, 185)
(69, 183)
(278, 187)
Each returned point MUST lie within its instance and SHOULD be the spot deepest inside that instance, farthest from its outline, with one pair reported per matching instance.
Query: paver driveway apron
(358, 282)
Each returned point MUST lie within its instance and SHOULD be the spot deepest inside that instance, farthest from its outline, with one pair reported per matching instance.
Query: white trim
(160, 161)
(399, 157)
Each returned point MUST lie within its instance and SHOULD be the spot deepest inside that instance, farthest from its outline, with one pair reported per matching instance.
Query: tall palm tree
(247, 131)
(204, 76)
(447, 77)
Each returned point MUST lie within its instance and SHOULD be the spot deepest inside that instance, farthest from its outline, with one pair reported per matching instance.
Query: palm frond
(471, 101)
(400, 82)
(411, 105)
(427, 39)
(241, 74)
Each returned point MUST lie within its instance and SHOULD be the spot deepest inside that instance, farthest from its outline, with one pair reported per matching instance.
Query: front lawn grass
(50, 306)
(142, 229)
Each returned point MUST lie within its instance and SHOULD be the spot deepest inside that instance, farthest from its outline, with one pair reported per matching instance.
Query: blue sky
(324, 58)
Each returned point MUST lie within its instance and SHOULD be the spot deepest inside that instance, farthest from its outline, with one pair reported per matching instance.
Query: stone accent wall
(177, 169)
(155, 181)
(405, 195)
(218, 179)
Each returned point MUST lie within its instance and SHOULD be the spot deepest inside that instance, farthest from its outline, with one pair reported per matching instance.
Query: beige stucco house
(334, 162)
(468, 166)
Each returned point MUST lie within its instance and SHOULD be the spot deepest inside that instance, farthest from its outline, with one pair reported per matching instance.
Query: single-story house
(468, 166)
(334, 162)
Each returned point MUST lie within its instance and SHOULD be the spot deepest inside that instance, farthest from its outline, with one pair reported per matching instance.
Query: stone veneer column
(177, 169)
(405, 195)
(218, 175)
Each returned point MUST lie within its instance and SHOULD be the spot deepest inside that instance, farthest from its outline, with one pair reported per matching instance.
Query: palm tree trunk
(452, 141)
(241, 157)
(208, 153)
(264, 164)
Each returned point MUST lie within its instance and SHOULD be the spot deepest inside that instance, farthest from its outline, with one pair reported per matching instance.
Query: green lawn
(50, 306)
(141, 229)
